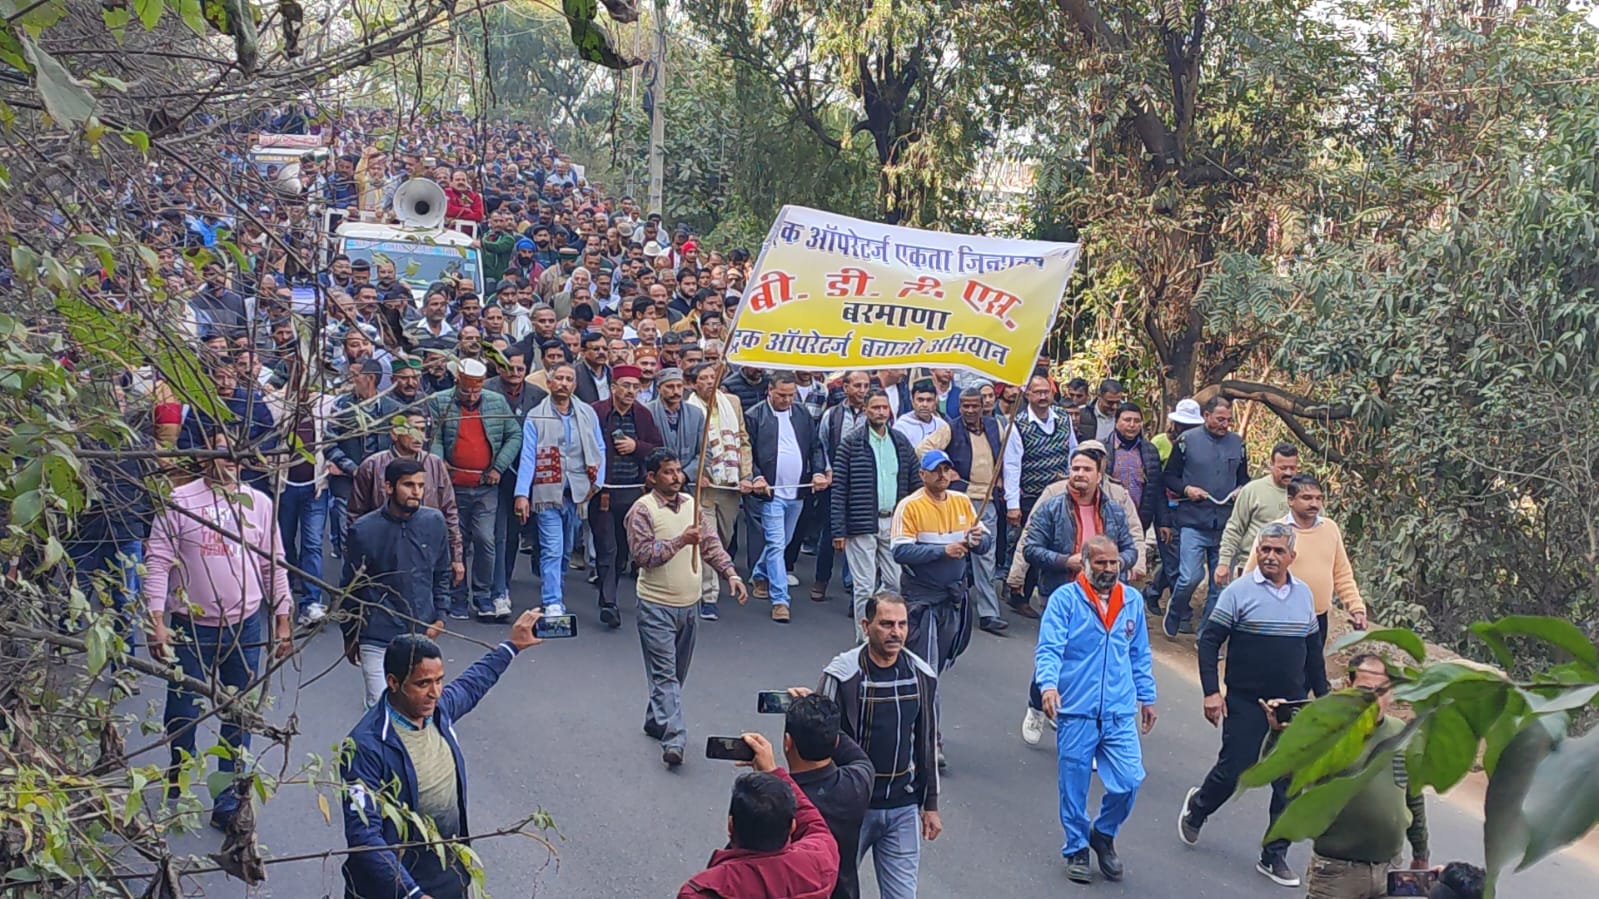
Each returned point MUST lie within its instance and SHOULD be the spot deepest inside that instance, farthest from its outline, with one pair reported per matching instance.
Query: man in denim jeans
(216, 554)
(787, 464)
(1207, 467)
(563, 464)
(888, 698)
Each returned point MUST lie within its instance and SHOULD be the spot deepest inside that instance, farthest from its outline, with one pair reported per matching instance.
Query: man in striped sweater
(1268, 618)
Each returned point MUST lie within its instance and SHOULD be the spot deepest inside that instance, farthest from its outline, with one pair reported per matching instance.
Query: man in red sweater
(778, 843)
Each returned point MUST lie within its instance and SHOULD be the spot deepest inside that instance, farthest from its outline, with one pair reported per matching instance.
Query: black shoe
(1110, 864)
(611, 618)
(1077, 870)
(672, 757)
(1276, 868)
(1187, 825)
(594, 578)
(996, 626)
(654, 731)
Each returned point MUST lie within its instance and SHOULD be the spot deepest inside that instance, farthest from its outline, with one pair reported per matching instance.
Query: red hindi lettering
(986, 300)
(926, 285)
(772, 289)
(848, 282)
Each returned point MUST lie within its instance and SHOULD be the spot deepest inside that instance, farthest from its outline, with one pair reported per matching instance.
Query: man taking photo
(778, 843)
(405, 750)
(834, 772)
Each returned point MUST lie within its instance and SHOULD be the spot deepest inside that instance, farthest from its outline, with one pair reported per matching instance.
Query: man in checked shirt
(660, 526)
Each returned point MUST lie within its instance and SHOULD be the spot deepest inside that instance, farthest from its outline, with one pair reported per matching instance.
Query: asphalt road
(561, 732)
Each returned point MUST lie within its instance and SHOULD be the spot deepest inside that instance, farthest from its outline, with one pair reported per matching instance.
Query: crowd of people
(579, 413)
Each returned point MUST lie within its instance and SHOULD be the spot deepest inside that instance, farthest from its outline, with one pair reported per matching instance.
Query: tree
(884, 60)
(1543, 780)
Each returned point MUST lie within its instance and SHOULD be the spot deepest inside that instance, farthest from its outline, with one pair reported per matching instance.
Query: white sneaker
(1033, 726)
(553, 609)
(313, 613)
(502, 606)
(793, 581)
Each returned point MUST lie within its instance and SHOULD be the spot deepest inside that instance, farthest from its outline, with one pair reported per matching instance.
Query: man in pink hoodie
(214, 555)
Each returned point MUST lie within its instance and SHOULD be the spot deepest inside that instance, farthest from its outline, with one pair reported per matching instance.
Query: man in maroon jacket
(779, 844)
(630, 434)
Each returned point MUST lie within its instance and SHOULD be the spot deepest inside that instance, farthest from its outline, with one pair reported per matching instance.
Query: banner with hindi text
(832, 292)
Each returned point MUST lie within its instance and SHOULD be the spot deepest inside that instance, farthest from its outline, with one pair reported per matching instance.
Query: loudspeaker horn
(420, 203)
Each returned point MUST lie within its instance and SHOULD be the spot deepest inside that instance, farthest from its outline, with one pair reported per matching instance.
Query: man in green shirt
(1352, 857)
(1259, 503)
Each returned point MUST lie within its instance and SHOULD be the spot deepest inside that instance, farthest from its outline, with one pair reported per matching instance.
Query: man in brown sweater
(408, 432)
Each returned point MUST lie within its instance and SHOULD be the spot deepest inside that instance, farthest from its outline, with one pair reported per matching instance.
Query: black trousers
(1029, 583)
(607, 513)
(1243, 732)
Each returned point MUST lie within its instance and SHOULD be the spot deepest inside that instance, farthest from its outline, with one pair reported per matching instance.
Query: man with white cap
(1185, 416)
(481, 438)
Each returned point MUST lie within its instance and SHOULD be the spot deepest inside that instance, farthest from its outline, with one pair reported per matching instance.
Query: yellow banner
(833, 292)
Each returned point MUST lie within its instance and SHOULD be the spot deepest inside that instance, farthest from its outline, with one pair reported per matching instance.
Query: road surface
(561, 732)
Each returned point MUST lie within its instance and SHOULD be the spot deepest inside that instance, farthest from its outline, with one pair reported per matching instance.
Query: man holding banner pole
(973, 443)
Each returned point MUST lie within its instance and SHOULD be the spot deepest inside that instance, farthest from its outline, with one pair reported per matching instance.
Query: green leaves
(67, 102)
(1317, 737)
(1401, 637)
(149, 12)
(592, 41)
(1443, 751)
(1556, 632)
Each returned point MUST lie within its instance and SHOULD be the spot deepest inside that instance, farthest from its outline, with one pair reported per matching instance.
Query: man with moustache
(562, 467)
(1093, 669)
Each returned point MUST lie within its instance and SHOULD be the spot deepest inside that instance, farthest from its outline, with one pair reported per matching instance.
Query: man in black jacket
(397, 571)
(787, 462)
(834, 773)
(750, 385)
(1096, 420)
(875, 467)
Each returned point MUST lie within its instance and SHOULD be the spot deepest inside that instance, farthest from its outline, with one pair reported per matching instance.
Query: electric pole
(658, 114)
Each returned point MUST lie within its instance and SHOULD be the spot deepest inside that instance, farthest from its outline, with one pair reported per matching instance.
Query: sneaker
(312, 614)
(485, 614)
(780, 614)
(611, 617)
(1033, 726)
(793, 581)
(1077, 869)
(654, 731)
(1277, 871)
(553, 609)
(672, 757)
(708, 611)
(808, 549)
(459, 614)
(1187, 828)
(593, 578)
(502, 607)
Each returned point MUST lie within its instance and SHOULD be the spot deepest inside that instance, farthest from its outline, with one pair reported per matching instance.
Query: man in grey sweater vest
(1206, 469)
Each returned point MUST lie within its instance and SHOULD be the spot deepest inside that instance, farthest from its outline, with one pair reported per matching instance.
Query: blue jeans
(1197, 551)
(778, 518)
(894, 836)
(229, 656)
(1113, 743)
(557, 539)
(116, 565)
(302, 518)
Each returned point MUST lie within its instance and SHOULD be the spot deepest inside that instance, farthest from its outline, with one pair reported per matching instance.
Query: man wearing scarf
(563, 464)
(1093, 668)
(727, 461)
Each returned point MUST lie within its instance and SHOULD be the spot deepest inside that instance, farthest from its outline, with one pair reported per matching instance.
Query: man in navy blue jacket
(405, 748)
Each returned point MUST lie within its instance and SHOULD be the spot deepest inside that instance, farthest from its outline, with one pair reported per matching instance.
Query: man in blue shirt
(1093, 668)
(405, 749)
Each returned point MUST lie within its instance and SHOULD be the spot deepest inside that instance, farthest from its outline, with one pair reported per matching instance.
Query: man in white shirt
(919, 424)
(1045, 440)
(787, 459)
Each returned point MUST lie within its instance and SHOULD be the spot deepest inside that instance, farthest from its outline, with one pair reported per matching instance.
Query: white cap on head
(1187, 412)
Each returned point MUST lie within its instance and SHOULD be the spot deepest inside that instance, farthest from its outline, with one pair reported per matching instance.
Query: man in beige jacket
(370, 490)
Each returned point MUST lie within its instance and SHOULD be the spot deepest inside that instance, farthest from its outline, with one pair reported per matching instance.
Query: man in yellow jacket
(1321, 562)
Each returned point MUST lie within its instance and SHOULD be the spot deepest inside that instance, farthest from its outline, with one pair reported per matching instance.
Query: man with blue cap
(934, 530)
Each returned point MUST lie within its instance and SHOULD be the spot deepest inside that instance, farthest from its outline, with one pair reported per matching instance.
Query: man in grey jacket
(682, 426)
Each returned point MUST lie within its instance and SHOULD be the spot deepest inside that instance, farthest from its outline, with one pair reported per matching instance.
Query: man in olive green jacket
(478, 434)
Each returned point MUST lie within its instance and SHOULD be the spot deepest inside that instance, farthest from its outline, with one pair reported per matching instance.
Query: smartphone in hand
(555, 627)
(772, 702)
(729, 749)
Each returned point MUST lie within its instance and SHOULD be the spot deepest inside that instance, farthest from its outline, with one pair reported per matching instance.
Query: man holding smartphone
(1268, 620)
(1352, 857)
(660, 525)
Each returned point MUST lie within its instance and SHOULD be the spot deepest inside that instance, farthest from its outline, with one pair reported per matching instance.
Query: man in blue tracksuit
(405, 748)
(1093, 668)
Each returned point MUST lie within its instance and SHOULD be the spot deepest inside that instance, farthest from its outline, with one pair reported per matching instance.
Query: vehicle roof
(374, 231)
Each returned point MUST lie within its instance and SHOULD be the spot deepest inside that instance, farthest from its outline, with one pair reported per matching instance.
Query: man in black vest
(1036, 456)
(1206, 468)
(972, 442)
